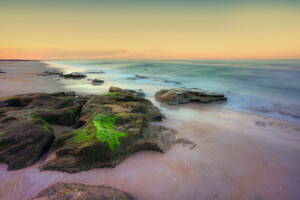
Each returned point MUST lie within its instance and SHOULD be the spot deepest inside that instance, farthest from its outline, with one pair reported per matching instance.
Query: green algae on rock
(104, 124)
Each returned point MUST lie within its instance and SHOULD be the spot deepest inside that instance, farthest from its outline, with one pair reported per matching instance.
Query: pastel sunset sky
(153, 29)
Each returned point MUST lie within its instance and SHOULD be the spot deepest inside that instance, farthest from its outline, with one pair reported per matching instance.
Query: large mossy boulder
(113, 126)
(72, 191)
(181, 95)
(25, 131)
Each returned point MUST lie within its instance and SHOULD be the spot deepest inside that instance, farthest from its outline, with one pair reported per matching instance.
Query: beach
(227, 154)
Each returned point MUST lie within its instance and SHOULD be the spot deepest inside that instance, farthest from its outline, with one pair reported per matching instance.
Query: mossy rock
(24, 143)
(25, 124)
(113, 128)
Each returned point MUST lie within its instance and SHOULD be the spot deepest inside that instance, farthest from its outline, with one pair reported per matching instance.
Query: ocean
(263, 87)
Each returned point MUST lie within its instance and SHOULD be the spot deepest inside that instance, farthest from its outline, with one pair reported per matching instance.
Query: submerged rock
(183, 95)
(25, 125)
(97, 82)
(139, 92)
(113, 126)
(137, 77)
(74, 75)
(50, 73)
(63, 191)
(97, 72)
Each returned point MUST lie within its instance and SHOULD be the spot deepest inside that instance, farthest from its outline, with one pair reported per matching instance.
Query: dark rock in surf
(137, 77)
(97, 82)
(74, 75)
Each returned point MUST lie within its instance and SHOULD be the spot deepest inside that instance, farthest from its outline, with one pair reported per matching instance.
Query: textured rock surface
(63, 191)
(184, 95)
(113, 126)
(25, 132)
(139, 92)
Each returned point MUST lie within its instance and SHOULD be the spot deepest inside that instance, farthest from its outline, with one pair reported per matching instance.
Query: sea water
(263, 87)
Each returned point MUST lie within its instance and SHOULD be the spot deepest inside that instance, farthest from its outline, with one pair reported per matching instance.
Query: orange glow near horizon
(194, 33)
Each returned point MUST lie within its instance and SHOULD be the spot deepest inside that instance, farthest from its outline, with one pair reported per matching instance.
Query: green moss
(103, 125)
(46, 125)
(34, 116)
(2, 133)
(73, 110)
(109, 94)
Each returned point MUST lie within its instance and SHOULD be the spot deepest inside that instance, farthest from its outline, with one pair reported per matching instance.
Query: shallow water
(264, 87)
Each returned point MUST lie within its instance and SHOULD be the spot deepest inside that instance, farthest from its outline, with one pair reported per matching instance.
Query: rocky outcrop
(110, 128)
(63, 191)
(139, 92)
(25, 131)
(184, 95)
(97, 82)
(113, 126)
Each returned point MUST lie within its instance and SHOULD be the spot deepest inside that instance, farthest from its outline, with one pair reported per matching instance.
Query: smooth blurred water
(264, 87)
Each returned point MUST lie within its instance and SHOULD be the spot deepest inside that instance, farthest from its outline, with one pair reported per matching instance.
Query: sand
(237, 156)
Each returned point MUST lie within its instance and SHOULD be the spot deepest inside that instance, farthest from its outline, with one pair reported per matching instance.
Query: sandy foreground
(237, 155)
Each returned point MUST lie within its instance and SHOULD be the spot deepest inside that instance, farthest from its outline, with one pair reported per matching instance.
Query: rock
(22, 143)
(62, 191)
(25, 124)
(113, 126)
(97, 82)
(183, 95)
(50, 73)
(97, 72)
(139, 92)
(2, 72)
(137, 77)
(74, 75)
(167, 81)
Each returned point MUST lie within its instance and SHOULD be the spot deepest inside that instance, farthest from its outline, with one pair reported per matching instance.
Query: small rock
(97, 82)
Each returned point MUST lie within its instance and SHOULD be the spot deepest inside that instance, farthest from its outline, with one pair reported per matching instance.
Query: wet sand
(237, 156)
(21, 78)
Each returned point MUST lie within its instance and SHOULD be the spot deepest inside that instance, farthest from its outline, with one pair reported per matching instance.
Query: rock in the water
(50, 73)
(139, 92)
(167, 81)
(2, 71)
(74, 75)
(113, 126)
(137, 77)
(63, 191)
(25, 124)
(183, 95)
(97, 82)
(97, 72)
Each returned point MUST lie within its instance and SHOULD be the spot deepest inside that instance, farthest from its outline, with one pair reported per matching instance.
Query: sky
(156, 29)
